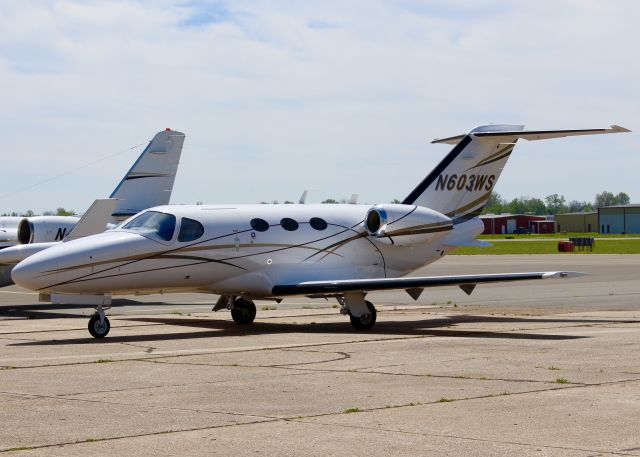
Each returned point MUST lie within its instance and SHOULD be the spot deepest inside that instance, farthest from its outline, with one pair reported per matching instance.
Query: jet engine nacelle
(406, 225)
(45, 229)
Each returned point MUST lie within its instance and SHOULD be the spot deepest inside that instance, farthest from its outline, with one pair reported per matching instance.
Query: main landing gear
(243, 311)
(361, 312)
(366, 320)
(99, 325)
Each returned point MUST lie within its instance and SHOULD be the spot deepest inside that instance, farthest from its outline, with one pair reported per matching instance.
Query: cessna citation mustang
(148, 183)
(247, 252)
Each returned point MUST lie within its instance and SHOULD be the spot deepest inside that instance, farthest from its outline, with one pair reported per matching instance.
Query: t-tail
(150, 180)
(461, 184)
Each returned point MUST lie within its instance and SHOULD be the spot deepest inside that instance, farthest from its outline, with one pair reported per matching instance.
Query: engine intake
(406, 225)
(45, 229)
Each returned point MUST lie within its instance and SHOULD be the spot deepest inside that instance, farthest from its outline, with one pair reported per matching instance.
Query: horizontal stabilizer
(365, 285)
(94, 220)
(531, 135)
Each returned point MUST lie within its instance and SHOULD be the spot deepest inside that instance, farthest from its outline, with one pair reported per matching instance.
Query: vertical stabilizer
(150, 180)
(461, 184)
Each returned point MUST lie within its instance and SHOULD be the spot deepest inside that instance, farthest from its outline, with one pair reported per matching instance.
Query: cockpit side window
(153, 223)
(190, 230)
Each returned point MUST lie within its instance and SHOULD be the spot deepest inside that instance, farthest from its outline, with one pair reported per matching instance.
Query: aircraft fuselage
(242, 249)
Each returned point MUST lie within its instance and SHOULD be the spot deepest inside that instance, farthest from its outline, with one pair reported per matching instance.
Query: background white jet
(149, 182)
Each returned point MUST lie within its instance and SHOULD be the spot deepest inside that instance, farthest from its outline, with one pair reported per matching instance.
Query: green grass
(561, 381)
(103, 361)
(551, 247)
(352, 410)
(534, 236)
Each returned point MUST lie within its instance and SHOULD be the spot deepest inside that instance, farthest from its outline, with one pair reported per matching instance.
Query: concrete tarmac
(538, 368)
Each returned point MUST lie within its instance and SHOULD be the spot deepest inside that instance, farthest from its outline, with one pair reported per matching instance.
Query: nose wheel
(99, 325)
(243, 311)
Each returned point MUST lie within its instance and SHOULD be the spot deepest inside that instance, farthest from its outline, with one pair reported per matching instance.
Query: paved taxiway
(542, 368)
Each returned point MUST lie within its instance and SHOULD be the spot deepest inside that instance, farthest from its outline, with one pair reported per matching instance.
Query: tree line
(30, 213)
(552, 204)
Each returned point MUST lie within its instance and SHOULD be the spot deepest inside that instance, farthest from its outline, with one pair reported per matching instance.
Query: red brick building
(514, 223)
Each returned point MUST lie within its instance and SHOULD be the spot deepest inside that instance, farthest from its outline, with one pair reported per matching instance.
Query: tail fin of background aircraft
(461, 184)
(150, 180)
(94, 220)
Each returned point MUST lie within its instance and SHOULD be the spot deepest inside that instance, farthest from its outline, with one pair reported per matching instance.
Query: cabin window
(153, 223)
(289, 224)
(259, 225)
(190, 230)
(318, 223)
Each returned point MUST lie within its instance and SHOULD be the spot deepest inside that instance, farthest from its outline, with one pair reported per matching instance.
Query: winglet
(562, 274)
(618, 128)
(94, 220)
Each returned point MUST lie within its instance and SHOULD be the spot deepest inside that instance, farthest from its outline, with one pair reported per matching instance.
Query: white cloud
(341, 97)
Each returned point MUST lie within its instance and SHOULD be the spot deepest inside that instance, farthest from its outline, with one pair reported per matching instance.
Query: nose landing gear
(99, 325)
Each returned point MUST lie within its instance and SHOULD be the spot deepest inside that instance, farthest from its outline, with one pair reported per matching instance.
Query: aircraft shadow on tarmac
(216, 328)
(53, 311)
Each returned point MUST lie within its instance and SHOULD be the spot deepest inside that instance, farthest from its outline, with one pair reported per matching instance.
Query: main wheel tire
(98, 329)
(367, 320)
(243, 311)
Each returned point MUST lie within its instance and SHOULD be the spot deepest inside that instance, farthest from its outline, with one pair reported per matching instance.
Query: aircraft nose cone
(29, 274)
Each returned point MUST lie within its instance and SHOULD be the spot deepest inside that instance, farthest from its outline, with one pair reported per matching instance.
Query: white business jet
(149, 182)
(247, 252)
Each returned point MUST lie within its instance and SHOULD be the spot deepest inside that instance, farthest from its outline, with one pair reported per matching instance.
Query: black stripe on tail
(437, 171)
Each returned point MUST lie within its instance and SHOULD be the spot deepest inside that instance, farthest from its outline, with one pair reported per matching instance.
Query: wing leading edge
(466, 283)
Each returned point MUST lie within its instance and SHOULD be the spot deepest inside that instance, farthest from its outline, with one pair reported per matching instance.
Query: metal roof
(630, 205)
(581, 213)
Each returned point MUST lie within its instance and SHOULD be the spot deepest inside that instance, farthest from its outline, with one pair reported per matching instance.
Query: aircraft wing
(413, 285)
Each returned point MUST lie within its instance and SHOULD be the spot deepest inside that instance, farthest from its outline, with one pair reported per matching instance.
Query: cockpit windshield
(153, 224)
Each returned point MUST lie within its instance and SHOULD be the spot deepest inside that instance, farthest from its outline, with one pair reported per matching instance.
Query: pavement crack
(341, 356)
(464, 438)
(138, 435)
(178, 354)
(147, 349)
(137, 405)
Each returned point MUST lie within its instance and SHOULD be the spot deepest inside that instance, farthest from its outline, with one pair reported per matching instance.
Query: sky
(338, 97)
